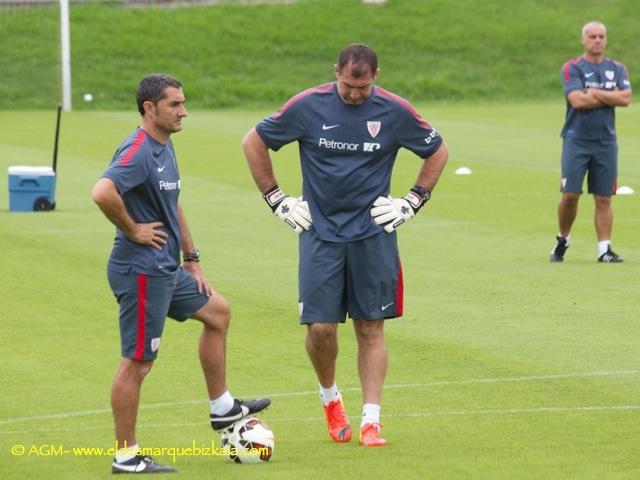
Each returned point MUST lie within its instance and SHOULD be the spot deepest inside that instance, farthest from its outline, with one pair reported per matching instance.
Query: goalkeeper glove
(293, 211)
(392, 212)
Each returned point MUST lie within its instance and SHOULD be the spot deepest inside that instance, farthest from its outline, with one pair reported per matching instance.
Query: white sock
(329, 394)
(127, 453)
(603, 246)
(566, 238)
(222, 404)
(370, 413)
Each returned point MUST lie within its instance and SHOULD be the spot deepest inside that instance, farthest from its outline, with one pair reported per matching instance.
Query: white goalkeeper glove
(293, 211)
(392, 212)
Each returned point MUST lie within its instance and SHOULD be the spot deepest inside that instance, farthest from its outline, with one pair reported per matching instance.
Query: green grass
(504, 366)
(247, 56)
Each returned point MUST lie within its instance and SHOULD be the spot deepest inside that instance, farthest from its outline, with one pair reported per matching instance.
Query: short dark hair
(151, 89)
(361, 57)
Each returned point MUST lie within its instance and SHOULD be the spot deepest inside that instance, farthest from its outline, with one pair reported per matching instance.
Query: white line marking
(320, 419)
(349, 389)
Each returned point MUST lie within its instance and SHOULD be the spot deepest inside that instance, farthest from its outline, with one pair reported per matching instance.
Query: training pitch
(504, 366)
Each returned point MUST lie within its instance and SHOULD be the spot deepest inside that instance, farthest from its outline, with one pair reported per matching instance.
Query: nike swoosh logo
(329, 127)
(140, 467)
(160, 169)
(384, 307)
(244, 411)
(587, 75)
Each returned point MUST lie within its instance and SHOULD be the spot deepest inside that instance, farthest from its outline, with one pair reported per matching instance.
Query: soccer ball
(248, 441)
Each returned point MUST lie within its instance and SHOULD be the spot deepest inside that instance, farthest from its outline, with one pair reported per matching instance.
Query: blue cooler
(31, 189)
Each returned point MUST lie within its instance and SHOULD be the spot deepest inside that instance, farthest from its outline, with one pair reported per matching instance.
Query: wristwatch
(191, 256)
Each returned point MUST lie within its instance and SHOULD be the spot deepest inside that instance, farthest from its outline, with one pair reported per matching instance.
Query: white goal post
(65, 46)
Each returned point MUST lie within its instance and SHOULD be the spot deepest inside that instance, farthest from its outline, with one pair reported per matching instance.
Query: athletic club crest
(609, 74)
(374, 128)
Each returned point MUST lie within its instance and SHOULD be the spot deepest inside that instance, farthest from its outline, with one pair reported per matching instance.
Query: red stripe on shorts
(400, 291)
(142, 309)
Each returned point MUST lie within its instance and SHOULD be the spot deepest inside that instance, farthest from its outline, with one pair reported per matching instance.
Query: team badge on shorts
(155, 344)
(374, 128)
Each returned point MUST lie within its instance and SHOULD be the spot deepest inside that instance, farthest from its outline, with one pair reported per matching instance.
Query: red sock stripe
(142, 309)
(400, 291)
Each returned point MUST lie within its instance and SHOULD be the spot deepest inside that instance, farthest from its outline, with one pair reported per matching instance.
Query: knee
(322, 334)
(134, 369)
(144, 370)
(217, 314)
(570, 199)
(601, 201)
(368, 332)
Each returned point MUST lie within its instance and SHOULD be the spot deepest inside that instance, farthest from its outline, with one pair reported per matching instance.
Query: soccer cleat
(140, 464)
(610, 257)
(370, 435)
(557, 254)
(239, 410)
(337, 421)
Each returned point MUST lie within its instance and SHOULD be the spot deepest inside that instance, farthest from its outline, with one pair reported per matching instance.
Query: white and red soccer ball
(248, 441)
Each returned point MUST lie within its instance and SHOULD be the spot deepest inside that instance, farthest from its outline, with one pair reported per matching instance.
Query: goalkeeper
(349, 133)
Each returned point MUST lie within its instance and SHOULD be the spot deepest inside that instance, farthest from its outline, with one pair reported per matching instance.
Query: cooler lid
(25, 170)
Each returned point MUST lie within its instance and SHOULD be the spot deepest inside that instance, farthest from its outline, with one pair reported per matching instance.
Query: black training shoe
(557, 254)
(239, 410)
(140, 464)
(610, 257)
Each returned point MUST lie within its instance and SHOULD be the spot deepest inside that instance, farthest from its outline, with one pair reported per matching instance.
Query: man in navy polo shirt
(349, 133)
(593, 85)
(138, 193)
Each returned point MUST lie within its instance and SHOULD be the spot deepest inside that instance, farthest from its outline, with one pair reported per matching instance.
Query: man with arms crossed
(139, 193)
(349, 133)
(594, 85)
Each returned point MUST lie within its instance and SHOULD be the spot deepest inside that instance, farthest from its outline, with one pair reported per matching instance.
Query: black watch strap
(191, 256)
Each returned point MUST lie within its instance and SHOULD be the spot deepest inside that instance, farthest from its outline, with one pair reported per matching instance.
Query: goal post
(65, 55)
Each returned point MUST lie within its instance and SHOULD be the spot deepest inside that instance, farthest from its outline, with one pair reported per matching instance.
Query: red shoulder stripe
(326, 88)
(567, 66)
(133, 148)
(401, 101)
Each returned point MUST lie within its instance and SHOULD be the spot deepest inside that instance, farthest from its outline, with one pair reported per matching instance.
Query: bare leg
(372, 358)
(567, 211)
(603, 217)
(322, 348)
(215, 317)
(125, 398)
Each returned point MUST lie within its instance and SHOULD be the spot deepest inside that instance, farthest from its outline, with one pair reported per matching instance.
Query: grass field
(504, 367)
(246, 56)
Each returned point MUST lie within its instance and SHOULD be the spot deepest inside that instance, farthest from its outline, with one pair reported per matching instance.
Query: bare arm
(595, 98)
(187, 245)
(583, 99)
(432, 168)
(106, 196)
(258, 160)
(613, 98)
(186, 242)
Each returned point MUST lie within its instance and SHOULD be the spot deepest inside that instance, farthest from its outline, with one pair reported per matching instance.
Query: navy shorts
(362, 279)
(598, 158)
(145, 301)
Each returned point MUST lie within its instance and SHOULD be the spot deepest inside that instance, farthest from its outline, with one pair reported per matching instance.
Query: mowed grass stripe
(482, 303)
